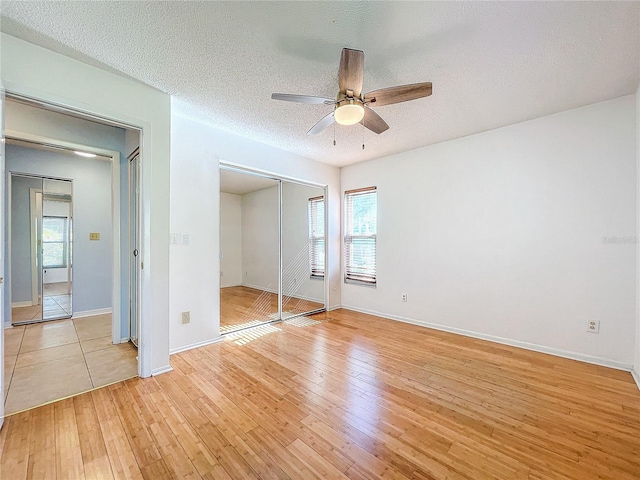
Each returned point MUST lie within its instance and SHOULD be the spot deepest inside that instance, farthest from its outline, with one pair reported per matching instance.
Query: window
(316, 236)
(54, 242)
(360, 236)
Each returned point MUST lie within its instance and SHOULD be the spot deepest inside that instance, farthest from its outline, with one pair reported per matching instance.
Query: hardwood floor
(354, 397)
(243, 306)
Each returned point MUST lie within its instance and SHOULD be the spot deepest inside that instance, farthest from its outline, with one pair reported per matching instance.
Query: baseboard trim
(27, 303)
(124, 339)
(90, 313)
(160, 370)
(636, 377)
(270, 290)
(335, 307)
(194, 345)
(581, 357)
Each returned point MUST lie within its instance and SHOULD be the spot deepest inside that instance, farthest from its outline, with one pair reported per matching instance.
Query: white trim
(605, 362)
(636, 377)
(195, 345)
(124, 340)
(158, 371)
(90, 313)
(335, 307)
(27, 303)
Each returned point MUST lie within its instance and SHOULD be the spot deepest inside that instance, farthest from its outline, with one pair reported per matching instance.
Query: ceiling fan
(351, 106)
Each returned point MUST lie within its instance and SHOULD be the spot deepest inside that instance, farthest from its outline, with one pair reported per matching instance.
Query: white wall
(195, 151)
(230, 239)
(39, 73)
(509, 234)
(261, 239)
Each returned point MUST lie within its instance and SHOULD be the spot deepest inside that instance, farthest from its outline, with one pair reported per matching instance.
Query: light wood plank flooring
(244, 306)
(354, 397)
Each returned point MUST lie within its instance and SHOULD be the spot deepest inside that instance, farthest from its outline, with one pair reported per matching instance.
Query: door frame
(33, 204)
(114, 158)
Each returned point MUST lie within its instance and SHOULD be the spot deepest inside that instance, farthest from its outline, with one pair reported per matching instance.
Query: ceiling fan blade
(351, 73)
(373, 121)
(322, 124)
(401, 93)
(287, 97)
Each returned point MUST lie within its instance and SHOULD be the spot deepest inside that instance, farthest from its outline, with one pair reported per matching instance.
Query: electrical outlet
(186, 317)
(593, 326)
(404, 297)
(185, 239)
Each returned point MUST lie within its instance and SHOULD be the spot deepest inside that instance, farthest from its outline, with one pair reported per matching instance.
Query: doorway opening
(79, 245)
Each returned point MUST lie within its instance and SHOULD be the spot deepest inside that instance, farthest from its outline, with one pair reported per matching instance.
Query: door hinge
(141, 265)
(135, 252)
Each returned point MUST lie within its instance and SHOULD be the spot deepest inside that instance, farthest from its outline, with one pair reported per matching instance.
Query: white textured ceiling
(491, 64)
(241, 183)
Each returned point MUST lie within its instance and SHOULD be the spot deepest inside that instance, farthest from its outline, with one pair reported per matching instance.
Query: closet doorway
(272, 248)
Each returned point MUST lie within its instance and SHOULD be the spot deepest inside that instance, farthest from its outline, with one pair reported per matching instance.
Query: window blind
(361, 227)
(316, 236)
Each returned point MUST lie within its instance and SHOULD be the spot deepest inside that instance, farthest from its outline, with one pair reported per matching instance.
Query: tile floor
(52, 360)
(57, 304)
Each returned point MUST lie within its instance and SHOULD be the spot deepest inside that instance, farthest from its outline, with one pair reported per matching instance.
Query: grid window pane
(54, 242)
(361, 224)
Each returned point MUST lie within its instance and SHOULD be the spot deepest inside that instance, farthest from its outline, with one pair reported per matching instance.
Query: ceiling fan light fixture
(349, 113)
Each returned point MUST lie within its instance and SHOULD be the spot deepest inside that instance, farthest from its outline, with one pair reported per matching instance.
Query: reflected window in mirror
(54, 242)
(316, 237)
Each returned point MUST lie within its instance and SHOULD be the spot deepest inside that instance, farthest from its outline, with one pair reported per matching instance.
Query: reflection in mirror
(249, 250)
(302, 249)
(57, 249)
(25, 240)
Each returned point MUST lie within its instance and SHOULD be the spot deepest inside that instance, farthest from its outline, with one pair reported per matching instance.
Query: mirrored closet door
(272, 249)
(41, 248)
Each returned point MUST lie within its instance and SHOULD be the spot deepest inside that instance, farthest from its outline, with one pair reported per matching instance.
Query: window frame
(364, 280)
(313, 238)
(64, 242)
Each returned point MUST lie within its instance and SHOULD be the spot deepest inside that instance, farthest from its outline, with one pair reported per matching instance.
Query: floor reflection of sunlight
(246, 336)
(238, 326)
(301, 322)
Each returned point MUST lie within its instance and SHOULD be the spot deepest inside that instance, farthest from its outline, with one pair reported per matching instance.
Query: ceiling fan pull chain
(363, 128)
(334, 128)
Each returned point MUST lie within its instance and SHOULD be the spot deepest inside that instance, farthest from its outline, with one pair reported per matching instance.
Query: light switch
(94, 236)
